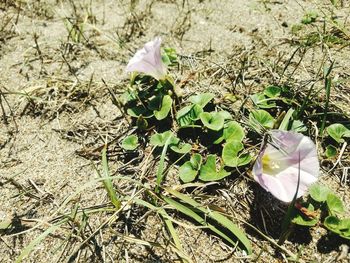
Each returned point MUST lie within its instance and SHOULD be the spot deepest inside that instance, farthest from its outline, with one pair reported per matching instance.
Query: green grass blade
(221, 219)
(173, 233)
(107, 183)
(28, 249)
(284, 126)
(328, 84)
(200, 219)
(161, 164)
(168, 223)
(300, 111)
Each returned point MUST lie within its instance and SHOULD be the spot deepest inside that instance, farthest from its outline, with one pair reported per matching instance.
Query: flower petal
(276, 170)
(148, 60)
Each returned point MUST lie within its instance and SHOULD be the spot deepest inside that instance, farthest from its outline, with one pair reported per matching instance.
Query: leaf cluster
(324, 202)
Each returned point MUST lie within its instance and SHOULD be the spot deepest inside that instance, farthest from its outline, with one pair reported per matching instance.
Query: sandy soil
(57, 113)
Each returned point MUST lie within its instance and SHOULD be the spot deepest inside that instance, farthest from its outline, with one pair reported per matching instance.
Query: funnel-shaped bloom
(277, 166)
(148, 60)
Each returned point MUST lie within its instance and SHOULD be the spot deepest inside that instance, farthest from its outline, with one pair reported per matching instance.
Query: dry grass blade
(154, 244)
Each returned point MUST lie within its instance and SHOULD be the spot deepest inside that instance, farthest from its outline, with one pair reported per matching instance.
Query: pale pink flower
(277, 166)
(148, 60)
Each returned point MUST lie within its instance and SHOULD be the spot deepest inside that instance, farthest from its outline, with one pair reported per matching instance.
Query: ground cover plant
(203, 137)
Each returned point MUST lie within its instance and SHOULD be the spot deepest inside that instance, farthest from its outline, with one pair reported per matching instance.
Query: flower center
(269, 165)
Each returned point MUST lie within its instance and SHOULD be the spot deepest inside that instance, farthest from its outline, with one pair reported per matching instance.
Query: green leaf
(298, 126)
(225, 114)
(212, 120)
(319, 192)
(196, 161)
(331, 222)
(5, 224)
(169, 56)
(189, 170)
(337, 131)
(209, 172)
(331, 151)
(201, 99)
(165, 108)
(337, 226)
(139, 111)
(141, 123)
(232, 131)
(309, 18)
(335, 205)
(302, 220)
(159, 139)
(181, 148)
(188, 115)
(231, 156)
(187, 173)
(261, 101)
(130, 143)
(262, 117)
(272, 91)
(155, 103)
(128, 96)
(191, 210)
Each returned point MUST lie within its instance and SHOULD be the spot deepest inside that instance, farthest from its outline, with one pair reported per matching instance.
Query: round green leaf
(302, 220)
(261, 101)
(233, 132)
(130, 143)
(319, 192)
(344, 224)
(201, 99)
(272, 91)
(181, 148)
(165, 108)
(332, 222)
(262, 117)
(231, 156)
(187, 173)
(331, 151)
(225, 114)
(335, 205)
(196, 161)
(188, 115)
(212, 120)
(159, 139)
(155, 103)
(337, 226)
(337, 131)
(208, 171)
(138, 111)
(184, 111)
